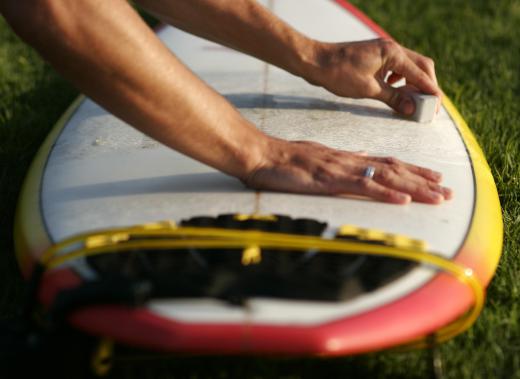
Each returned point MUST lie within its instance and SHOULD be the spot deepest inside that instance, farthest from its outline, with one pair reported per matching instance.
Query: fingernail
(437, 175)
(447, 192)
(404, 198)
(407, 106)
(436, 196)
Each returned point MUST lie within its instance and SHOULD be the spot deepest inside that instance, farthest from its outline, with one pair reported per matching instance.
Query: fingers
(428, 66)
(306, 167)
(420, 182)
(394, 181)
(424, 63)
(414, 74)
(398, 182)
(397, 99)
(426, 173)
(418, 70)
(418, 188)
(367, 187)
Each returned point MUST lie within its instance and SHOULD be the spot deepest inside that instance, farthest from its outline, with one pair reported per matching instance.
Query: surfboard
(238, 271)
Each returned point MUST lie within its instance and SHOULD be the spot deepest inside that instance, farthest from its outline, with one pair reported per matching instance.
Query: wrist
(264, 154)
(305, 59)
(313, 60)
(251, 153)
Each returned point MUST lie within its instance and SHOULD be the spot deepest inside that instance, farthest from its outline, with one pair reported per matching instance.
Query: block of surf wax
(425, 106)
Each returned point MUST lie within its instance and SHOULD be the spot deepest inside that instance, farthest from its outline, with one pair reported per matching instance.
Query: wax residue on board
(99, 133)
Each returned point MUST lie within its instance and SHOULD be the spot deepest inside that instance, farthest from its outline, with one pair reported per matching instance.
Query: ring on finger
(369, 172)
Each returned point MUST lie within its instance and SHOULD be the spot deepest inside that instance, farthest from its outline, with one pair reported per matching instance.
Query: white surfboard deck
(102, 173)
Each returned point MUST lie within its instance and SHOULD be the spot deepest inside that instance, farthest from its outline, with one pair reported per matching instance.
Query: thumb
(401, 101)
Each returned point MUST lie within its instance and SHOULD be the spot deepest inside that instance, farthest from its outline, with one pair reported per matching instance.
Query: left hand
(359, 70)
(312, 168)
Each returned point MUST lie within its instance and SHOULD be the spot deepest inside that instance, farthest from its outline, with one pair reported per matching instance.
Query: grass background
(476, 45)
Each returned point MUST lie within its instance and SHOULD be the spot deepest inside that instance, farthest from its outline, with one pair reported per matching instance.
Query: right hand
(359, 69)
(313, 168)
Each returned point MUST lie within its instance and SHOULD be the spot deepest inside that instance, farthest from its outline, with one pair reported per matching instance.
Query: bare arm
(112, 56)
(243, 25)
(106, 49)
(347, 69)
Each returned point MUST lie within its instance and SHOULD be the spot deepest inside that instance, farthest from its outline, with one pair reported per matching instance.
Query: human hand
(359, 70)
(313, 168)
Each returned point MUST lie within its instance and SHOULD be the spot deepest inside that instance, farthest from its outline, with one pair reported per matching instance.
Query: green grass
(32, 97)
(476, 45)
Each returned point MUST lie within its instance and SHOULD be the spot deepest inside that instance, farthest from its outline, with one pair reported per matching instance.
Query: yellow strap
(251, 255)
(102, 358)
(170, 238)
(256, 217)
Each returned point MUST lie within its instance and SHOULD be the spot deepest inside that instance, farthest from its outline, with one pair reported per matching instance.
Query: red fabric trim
(363, 17)
(55, 281)
(351, 335)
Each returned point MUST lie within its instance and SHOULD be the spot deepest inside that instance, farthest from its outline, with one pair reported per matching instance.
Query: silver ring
(369, 172)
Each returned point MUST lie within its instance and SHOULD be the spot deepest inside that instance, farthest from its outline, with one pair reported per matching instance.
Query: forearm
(243, 25)
(355, 69)
(113, 57)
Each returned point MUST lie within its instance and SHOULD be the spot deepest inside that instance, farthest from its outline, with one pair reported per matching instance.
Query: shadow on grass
(225, 367)
(249, 367)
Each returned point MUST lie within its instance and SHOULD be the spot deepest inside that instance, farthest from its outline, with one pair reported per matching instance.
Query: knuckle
(434, 187)
(388, 43)
(387, 46)
(306, 143)
(422, 192)
(340, 154)
(332, 160)
(392, 162)
(386, 174)
(398, 169)
(387, 193)
(423, 77)
(425, 172)
(426, 77)
(362, 182)
(322, 175)
(428, 62)
(393, 100)
(371, 90)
